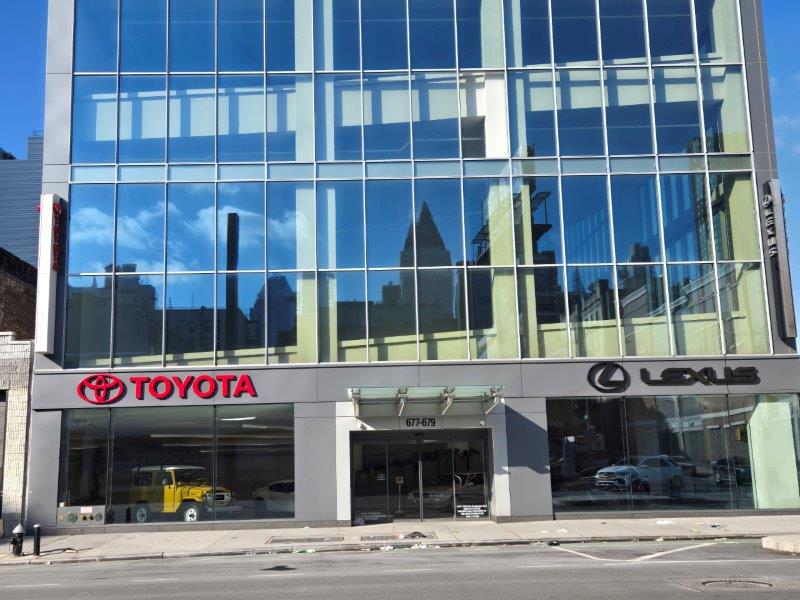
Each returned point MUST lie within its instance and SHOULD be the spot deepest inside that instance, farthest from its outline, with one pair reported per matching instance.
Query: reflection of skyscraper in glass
(282, 306)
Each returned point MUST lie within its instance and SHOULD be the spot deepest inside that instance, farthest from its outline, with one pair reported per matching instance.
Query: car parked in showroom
(276, 498)
(647, 474)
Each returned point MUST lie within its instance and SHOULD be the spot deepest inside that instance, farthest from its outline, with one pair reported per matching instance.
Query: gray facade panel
(528, 462)
(315, 464)
(43, 464)
(60, 25)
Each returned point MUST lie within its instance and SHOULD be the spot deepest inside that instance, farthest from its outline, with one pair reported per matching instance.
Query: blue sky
(23, 25)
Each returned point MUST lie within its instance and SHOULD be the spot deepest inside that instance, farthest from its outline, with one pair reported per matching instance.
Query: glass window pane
(480, 33)
(292, 318)
(338, 117)
(190, 227)
(488, 222)
(240, 318)
(290, 133)
(138, 320)
(586, 222)
(677, 444)
(670, 23)
(717, 30)
(744, 313)
(387, 133)
(592, 312)
(192, 106)
(433, 44)
(255, 460)
(628, 112)
(342, 317)
(587, 445)
(434, 98)
(687, 235)
(88, 335)
(542, 314)
(340, 225)
(240, 35)
(733, 211)
(391, 299)
(240, 226)
(153, 468)
(336, 35)
(484, 118)
(90, 248)
(492, 306)
(84, 456)
(440, 239)
(533, 127)
(383, 33)
(190, 320)
(765, 451)
(527, 33)
(574, 32)
(695, 325)
(94, 119)
(290, 225)
(140, 228)
(537, 220)
(580, 112)
(142, 119)
(677, 111)
(289, 29)
(643, 311)
(191, 35)
(442, 319)
(725, 110)
(95, 36)
(143, 36)
(240, 119)
(622, 29)
(390, 235)
(636, 228)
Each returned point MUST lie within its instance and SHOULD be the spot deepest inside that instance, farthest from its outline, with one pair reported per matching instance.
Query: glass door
(403, 468)
(436, 480)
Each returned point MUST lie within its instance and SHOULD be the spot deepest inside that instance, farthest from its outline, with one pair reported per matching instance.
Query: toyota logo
(609, 378)
(101, 389)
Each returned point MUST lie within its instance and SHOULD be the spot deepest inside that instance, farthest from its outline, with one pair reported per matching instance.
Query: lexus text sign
(103, 389)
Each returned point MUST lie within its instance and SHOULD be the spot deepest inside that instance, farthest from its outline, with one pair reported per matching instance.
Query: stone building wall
(15, 376)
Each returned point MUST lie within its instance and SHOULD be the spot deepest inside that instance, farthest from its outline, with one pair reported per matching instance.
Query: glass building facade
(350, 261)
(404, 186)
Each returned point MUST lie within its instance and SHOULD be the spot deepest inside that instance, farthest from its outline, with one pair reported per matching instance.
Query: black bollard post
(37, 539)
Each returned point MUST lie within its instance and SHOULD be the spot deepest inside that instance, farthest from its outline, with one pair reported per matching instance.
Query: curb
(362, 547)
(787, 544)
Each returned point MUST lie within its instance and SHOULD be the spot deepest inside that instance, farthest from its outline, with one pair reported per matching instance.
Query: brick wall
(15, 376)
(17, 306)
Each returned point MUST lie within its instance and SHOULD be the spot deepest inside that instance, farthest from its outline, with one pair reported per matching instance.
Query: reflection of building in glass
(282, 303)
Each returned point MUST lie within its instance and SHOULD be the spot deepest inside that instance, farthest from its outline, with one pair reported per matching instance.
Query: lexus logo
(609, 378)
(101, 389)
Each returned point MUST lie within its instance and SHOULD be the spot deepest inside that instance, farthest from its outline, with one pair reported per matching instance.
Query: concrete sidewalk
(788, 544)
(178, 544)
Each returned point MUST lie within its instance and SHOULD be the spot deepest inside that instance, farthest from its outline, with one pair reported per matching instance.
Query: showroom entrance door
(419, 475)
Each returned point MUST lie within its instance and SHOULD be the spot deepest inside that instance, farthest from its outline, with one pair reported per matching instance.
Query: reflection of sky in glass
(290, 225)
(388, 223)
(190, 227)
(140, 227)
(91, 229)
(340, 241)
(190, 291)
(636, 231)
(246, 200)
(438, 203)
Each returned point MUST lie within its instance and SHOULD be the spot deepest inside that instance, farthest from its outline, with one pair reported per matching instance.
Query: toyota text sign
(102, 389)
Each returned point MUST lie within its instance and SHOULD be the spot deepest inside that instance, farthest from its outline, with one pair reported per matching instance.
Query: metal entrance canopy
(425, 400)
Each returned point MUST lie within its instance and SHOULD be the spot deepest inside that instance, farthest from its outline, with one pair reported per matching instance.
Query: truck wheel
(190, 512)
(141, 512)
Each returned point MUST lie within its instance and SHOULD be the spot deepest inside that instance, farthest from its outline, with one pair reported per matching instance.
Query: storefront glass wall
(184, 464)
(675, 452)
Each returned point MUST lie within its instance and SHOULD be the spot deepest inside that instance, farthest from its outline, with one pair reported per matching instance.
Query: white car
(650, 474)
(276, 497)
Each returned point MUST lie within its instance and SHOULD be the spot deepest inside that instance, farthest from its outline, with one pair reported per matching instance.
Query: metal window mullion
(559, 176)
(215, 312)
(113, 274)
(659, 198)
(510, 180)
(165, 224)
(707, 180)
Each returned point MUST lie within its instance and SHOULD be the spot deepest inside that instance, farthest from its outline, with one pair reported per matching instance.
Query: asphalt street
(713, 569)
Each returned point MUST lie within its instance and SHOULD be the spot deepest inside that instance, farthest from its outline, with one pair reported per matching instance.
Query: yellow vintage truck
(179, 490)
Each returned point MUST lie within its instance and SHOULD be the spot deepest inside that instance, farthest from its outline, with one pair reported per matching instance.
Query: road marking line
(673, 551)
(152, 580)
(578, 553)
(405, 570)
(31, 585)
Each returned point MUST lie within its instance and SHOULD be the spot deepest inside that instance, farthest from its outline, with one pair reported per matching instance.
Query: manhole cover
(307, 540)
(734, 585)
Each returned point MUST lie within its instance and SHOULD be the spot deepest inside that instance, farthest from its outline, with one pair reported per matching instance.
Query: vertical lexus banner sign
(51, 228)
(777, 252)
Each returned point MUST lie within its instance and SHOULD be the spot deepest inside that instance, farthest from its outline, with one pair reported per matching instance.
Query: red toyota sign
(102, 389)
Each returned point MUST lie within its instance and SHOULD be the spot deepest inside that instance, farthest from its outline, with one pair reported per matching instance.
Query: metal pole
(37, 539)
